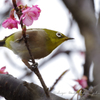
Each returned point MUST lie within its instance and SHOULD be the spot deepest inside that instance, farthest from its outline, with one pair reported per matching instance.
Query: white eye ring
(58, 34)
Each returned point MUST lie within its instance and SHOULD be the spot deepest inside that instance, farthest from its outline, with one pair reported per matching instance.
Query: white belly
(21, 50)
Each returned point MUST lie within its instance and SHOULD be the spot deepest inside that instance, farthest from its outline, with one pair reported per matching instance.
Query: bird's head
(54, 39)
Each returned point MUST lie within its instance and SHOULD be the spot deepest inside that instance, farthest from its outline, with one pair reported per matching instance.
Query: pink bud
(2, 70)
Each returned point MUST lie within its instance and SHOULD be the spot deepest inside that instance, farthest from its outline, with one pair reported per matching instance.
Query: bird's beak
(70, 38)
(67, 38)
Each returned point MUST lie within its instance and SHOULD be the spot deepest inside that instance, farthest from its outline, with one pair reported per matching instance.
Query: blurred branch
(27, 74)
(11, 61)
(93, 6)
(13, 89)
(59, 78)
(67, 53)
(92, 94)
(83, 13)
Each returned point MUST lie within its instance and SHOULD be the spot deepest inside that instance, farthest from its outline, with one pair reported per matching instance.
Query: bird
(41, 42)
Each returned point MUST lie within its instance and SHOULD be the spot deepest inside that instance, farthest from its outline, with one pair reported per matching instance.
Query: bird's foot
(34, 65)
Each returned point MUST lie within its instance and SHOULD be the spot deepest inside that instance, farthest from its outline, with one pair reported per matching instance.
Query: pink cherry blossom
(2, 70)
(10, 23)
(82, 82)
(30, 14)
(75, 88)
(12, 14)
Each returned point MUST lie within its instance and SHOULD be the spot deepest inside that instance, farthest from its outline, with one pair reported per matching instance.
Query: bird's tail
(2, 42)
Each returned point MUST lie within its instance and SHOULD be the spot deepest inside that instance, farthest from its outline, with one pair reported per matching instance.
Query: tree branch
(34, 64)
(83, 13)
(13, 89)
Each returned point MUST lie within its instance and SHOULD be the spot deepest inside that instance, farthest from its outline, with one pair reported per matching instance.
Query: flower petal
(2, 70)
(30, 14)
(10, 23)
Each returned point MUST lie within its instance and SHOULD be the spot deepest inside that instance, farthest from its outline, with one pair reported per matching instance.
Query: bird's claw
(34, 65)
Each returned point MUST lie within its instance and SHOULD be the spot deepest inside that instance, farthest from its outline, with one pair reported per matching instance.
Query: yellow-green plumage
(8, 39)
(41, 42)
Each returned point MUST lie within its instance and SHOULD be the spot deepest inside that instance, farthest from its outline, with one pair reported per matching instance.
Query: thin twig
(34, 67)
(58, 80)
(36, 71)
(19, 13)
(26, 43)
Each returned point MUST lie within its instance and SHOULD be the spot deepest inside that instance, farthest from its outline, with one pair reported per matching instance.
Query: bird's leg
(34, 65)
(30, 66)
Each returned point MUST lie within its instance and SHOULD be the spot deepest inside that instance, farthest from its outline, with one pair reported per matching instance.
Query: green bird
(41, 43)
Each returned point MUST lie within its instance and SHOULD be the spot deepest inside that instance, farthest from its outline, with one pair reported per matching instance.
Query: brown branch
(83, 13)
(27, 45)
(58, 79)
(36, 71)
(34, 66)
(14, 89)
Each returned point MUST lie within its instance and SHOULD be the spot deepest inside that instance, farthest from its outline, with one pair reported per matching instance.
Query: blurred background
(68, 56)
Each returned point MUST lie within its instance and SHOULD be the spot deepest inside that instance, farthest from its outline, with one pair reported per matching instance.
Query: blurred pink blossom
(19, 2)
(30, 14)
(82, 82)
(2, 70)
(10, 23)
(75, 88)
(12, 14)
(6, 1)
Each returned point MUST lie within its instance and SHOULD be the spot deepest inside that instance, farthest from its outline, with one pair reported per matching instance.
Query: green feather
(8, 40)
(52, 40)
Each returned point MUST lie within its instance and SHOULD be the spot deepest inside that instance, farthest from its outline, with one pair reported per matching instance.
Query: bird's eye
(58, 34)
